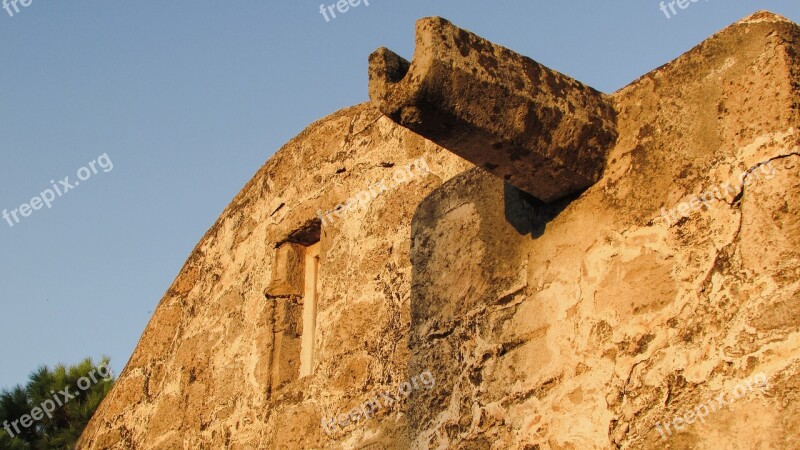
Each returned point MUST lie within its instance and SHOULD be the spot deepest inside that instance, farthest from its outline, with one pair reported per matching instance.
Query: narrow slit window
(310, 295)
(294, 292)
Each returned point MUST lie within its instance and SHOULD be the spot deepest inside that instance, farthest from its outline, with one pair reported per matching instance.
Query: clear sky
(189, 98)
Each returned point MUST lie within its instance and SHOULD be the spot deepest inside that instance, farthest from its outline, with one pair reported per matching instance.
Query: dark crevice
(529, 215)
(308, 234)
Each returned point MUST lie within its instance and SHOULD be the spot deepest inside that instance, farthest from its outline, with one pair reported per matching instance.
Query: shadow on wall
(529, 215)
(469, 254)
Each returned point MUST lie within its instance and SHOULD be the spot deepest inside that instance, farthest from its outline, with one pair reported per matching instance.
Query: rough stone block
(288, 272)
(539, 130)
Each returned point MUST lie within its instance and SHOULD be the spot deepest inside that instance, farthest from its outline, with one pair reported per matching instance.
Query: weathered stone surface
(541, 131)
(611, 321)
(207, 372)
(577, 324)
(287, 272)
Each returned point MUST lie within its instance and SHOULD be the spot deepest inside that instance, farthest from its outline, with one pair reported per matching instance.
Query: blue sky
(189, 98)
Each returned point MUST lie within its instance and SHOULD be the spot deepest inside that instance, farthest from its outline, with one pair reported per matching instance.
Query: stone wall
(202, 375)
(581, 323)
(601, 319)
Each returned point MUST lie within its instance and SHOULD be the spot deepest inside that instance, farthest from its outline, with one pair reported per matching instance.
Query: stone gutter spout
(541, 131)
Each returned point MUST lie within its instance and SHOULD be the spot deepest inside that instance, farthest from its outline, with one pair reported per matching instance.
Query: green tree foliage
(62, 427)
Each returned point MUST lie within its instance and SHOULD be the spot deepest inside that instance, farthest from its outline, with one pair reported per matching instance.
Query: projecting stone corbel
(541, 131)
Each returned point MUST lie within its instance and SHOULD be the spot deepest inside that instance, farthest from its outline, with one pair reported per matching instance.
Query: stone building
(492, 255)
